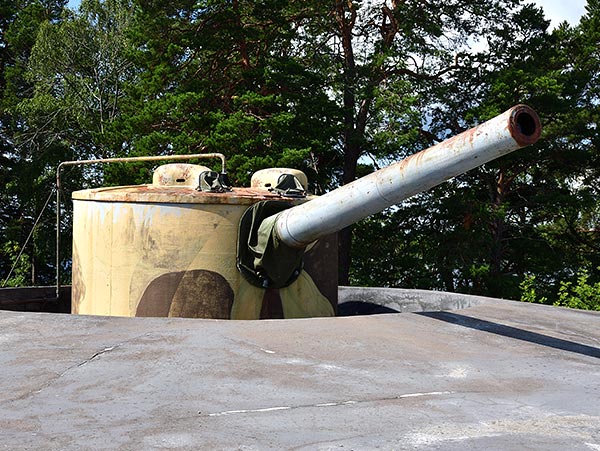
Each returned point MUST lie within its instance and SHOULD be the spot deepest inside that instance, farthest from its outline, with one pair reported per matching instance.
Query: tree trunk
(498, 191)
(351, 148)
(33, 271)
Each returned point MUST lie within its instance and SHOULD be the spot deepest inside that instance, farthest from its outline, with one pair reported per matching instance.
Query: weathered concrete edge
(403, 300)
(410, 300)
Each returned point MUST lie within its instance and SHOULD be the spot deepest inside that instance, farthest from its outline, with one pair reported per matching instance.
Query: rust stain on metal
(267, 178)
(470, 135)
(178, 174)
(524, 125)
(178, 194)
(454, 144)
(402, 165)
(499, 136)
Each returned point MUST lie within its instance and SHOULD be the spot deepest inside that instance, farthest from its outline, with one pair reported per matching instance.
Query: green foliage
(78, 70)
(24, 174)
(529, 291)
(580, 295)
(228, 81)
(335, 89)
(534, 212)
(20, 275)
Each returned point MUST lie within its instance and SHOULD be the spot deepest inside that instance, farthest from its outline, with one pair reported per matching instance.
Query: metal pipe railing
(114, 160)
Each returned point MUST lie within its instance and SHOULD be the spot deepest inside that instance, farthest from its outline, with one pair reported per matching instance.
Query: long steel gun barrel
(298, 226)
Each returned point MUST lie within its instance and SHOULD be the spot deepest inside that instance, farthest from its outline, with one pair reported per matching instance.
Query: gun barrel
(518, 127)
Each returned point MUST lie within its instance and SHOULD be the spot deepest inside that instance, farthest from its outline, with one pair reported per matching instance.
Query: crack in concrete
(57, 375)
(326, 404)
(102, 352)
(97, 354)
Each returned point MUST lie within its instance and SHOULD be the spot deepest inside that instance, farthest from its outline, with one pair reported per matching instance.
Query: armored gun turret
(189, 245)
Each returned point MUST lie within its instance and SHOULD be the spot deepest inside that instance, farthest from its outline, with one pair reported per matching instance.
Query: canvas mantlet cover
(267, 264)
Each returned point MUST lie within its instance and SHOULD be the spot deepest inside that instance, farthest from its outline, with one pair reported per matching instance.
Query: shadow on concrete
(513, 332)
(355, 308)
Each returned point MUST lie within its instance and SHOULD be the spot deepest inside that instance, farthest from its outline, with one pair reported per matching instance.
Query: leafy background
(336, 89)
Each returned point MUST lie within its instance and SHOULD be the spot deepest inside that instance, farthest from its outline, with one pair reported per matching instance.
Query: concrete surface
(495, 375)
(368, 300)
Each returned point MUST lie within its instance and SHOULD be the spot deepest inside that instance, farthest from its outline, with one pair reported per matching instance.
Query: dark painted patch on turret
(191, 294)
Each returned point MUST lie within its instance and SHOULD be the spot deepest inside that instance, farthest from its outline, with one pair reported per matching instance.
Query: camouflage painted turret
(189, 245)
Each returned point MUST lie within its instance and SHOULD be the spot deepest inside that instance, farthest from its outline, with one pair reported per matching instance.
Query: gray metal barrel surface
(518, 127)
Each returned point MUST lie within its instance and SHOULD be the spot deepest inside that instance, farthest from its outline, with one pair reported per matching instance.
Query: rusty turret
(189, 245)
